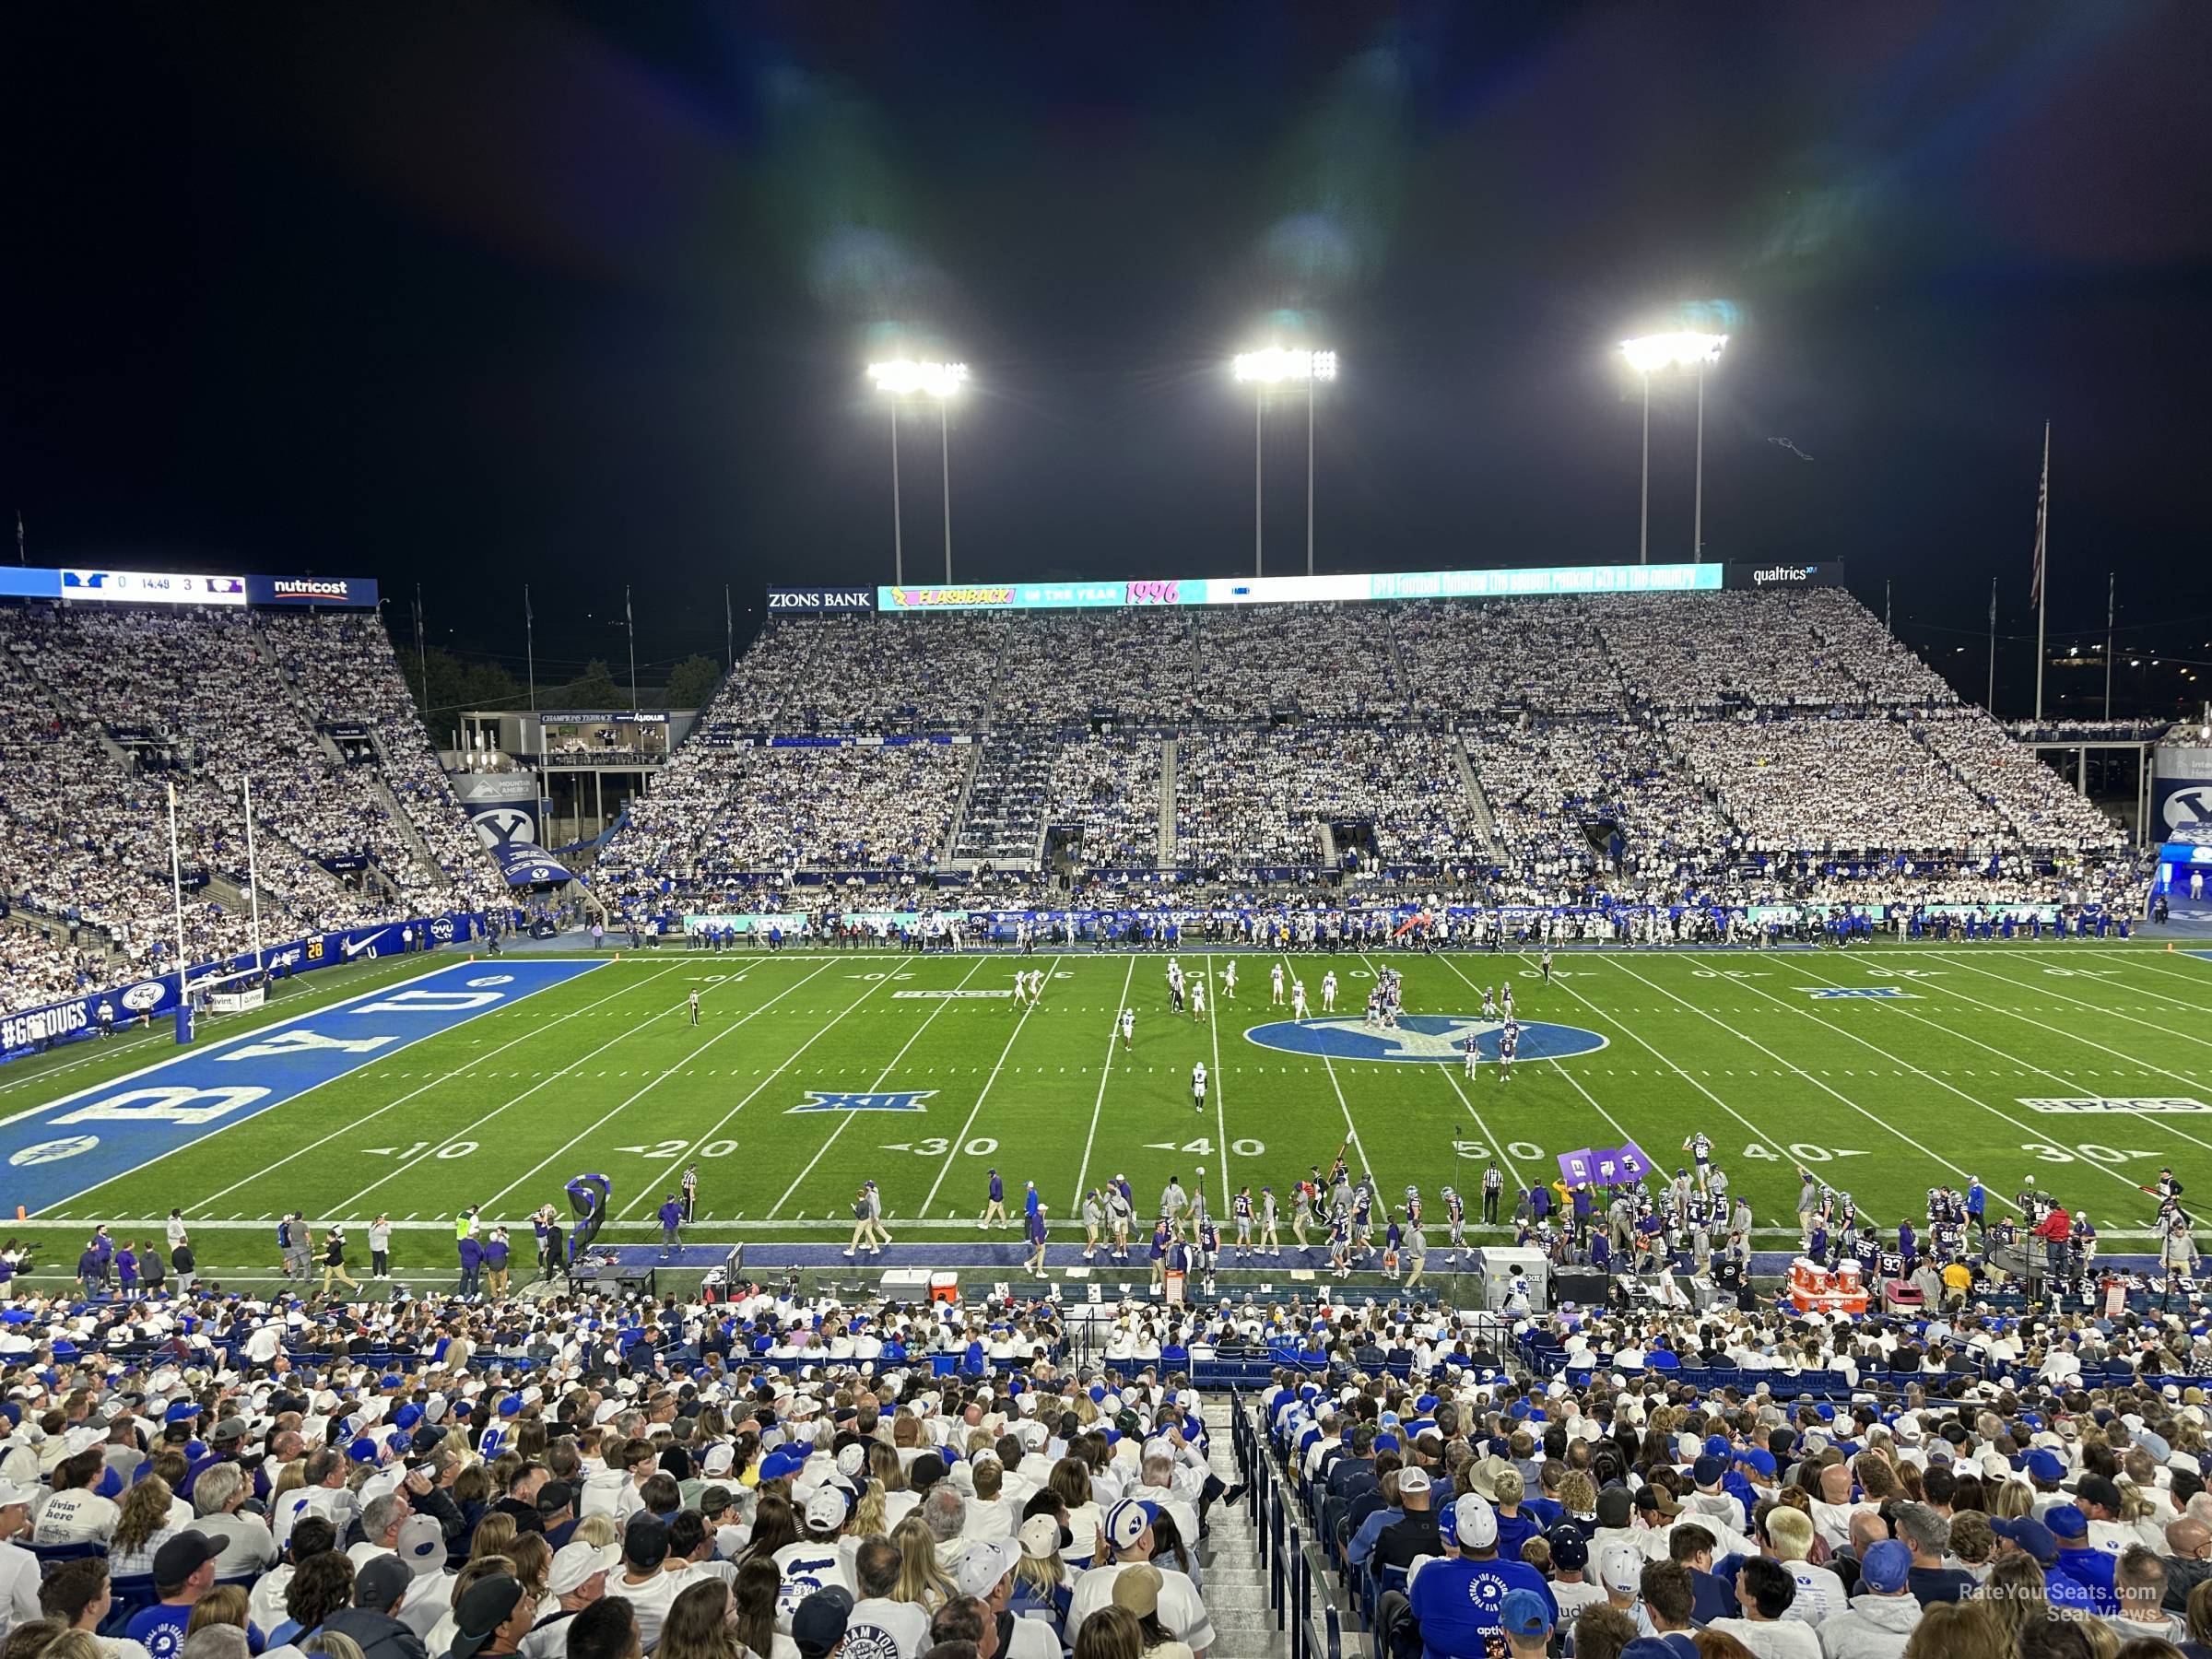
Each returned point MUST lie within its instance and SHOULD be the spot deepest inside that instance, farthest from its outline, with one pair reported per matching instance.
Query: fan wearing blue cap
(1526, 1622)
(1880, 1617)
(1460, 1599)
(2080, 1560)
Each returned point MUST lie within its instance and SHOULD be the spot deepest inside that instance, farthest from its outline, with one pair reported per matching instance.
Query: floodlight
(900, 379)
(1275, 365)
(903, 377)
(1648, 354)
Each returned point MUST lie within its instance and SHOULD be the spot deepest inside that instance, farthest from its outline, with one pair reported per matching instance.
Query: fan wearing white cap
(19, 1567)
(817, 1559)
(1128, 1533)
(1457, 1599)
(985, 1571)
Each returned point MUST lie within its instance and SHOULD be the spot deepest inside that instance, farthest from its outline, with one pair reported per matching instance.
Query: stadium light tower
(1647, 355)
(900, 380)
(1275, 367)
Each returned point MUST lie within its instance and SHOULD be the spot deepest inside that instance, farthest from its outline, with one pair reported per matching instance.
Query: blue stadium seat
(49, 1555)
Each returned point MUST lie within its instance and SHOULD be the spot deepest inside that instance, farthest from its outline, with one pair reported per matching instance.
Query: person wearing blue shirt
(2032, 1538)
(184, 1572)
(994, 1202)
(1037, 1237)
(472, 1265)
(672, 1226)
(2079, 1560)
(1977, 1198)
(1457, 1600)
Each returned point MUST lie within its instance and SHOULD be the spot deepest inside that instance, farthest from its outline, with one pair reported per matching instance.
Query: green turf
(1884, 1096)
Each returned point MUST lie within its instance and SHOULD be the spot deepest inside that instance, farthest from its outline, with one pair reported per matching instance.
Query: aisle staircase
(1002, 816)
(1485, 825)
(1235, 1574)
(1167, 804)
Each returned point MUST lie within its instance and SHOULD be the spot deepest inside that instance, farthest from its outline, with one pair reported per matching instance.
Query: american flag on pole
(2043, 511)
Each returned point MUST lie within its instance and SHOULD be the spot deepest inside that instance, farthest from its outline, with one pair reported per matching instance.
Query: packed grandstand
(1655, 751)
(1664, 749)
(787, 1475)
(102, 708)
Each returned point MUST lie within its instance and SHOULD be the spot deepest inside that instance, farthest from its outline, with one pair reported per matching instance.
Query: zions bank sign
(822, 599)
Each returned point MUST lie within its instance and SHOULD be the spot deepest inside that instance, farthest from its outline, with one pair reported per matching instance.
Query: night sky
(487, 293)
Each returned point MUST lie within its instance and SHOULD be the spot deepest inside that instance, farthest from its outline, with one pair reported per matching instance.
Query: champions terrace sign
(1541, 582)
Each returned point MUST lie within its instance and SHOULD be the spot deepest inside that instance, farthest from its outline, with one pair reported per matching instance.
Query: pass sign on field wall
(53, 1153)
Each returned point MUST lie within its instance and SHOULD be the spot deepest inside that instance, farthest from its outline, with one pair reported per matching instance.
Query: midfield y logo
(1431, 1037)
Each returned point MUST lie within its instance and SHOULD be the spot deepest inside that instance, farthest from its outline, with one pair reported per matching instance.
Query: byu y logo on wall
(499, 825)
(897, 1100)
(1421, 1037)
(2188, 807)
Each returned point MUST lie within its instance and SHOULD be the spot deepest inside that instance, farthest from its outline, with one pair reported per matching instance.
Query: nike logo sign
(354, 947)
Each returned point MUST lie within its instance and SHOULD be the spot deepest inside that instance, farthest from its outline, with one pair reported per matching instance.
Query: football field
(1884, 1070)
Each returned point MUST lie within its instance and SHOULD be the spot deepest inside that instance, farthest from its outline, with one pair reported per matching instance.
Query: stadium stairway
(425, 859)
(1167, 804)
(418, 849)
(947, 854)
(1477, 799)
(1235, 1580)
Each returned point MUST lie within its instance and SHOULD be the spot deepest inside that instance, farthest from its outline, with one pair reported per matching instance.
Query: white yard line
(380, 1056)
(961, 1140)
(1447, 1067)
(946, 1233)
(1351, 1129)
(1213, 1024)
(1496, 1145)
(1897, 1060)
(342, 1209)
(691, 1150)
(845, 1118)
(1113, 1031)
(616, 1111)
(2072, 1084)
(2146, 957)
(2148, 1025)
(1598, 1012)
(1778, 1147)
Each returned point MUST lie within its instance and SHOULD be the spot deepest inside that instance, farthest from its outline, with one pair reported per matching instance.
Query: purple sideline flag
(1632, 1164)
(1575, 1166)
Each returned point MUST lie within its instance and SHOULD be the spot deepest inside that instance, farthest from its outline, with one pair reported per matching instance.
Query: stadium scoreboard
(179, 587)
(1533, 582)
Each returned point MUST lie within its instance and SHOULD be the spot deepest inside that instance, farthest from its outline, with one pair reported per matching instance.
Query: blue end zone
(73, 1145)
(1436, 1038)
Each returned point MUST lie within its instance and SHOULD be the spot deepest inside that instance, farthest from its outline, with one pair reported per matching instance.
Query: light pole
(1646, 355)
(898, 380)
(1273, 367)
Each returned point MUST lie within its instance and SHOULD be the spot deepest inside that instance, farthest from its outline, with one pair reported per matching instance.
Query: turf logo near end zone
(1830, 992)
(1418, 1037)
(70, 1146)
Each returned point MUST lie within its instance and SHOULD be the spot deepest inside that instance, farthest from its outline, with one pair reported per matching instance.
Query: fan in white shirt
(880, 1626)
(1128, 1531)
